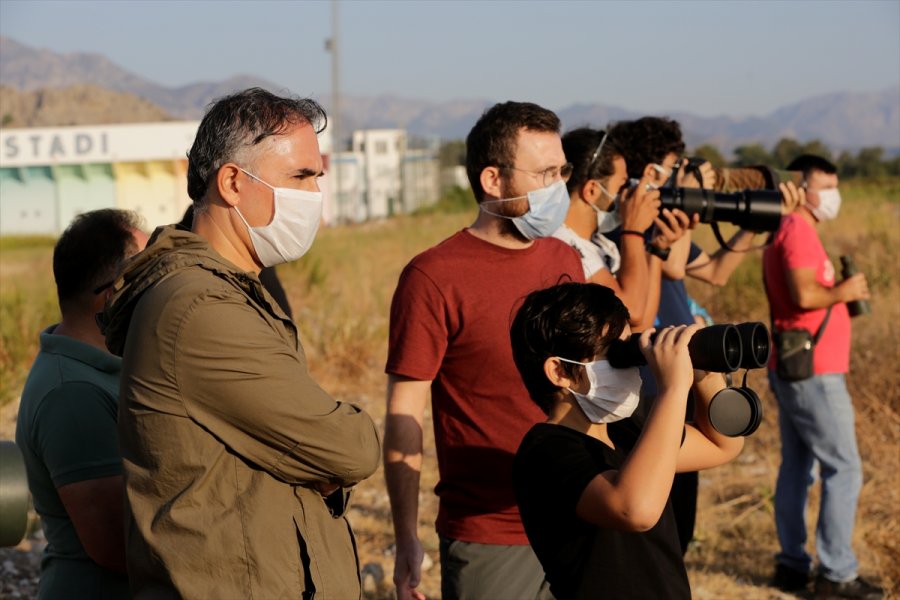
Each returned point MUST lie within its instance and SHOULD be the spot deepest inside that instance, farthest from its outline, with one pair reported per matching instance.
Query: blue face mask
(547, 208)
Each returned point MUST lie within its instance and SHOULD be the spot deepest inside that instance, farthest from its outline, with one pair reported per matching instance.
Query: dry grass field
(341, 294)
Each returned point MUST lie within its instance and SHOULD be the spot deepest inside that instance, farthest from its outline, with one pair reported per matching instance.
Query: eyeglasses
(548, 176)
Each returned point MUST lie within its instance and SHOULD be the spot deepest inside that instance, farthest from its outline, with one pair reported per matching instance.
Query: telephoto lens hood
(716, 348)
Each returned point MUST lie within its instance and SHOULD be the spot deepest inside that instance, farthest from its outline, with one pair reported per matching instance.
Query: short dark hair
(570, 320)
(807, 163)
(492, 141)
(646, 140)
(241, 121)
(580, 146)
(91, 251)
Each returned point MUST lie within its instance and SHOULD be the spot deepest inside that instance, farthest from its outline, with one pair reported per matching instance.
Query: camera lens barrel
(754, 210)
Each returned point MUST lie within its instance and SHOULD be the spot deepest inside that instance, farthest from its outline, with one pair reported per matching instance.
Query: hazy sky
(710, 58)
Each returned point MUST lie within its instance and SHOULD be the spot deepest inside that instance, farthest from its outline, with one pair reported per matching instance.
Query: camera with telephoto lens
(753, 210)
(733, 411)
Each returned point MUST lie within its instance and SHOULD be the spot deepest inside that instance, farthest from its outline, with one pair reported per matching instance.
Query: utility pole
(333, 45)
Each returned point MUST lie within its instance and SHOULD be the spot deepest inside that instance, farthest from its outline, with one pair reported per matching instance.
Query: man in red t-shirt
(816, 414)
(449, 333)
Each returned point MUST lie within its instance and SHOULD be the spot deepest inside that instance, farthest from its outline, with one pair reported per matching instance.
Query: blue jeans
(817, 424)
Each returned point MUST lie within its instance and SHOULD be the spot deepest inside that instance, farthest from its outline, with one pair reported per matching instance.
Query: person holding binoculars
(592, 482)
(815, 411)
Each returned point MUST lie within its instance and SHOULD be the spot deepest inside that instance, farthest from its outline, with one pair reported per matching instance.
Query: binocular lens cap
(735, 412)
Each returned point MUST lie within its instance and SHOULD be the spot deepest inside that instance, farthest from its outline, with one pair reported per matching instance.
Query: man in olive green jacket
(237, 464)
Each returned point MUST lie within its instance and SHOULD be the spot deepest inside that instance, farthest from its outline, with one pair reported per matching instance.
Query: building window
(381, 147)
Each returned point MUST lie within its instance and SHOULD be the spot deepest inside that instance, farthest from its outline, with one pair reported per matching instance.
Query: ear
(228, 183)
(649, 172)
(589, 191)
(553, 369)
(491, 179)
(98, 302)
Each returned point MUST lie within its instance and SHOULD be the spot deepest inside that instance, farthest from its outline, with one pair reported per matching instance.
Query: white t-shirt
(597, 253)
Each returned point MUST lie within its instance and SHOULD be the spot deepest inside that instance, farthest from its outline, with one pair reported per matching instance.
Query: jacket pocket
(338, 503)
(331, 558)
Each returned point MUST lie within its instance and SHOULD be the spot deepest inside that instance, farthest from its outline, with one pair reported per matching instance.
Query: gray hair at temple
(234, 125)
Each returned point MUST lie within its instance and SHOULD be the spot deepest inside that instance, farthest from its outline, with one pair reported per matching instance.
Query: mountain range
(844, 120)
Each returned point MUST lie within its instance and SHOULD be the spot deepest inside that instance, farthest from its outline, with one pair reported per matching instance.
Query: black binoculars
(717, 348)
(733, 411)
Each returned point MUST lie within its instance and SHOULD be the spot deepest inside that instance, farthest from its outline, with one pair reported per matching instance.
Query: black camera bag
(795, 350)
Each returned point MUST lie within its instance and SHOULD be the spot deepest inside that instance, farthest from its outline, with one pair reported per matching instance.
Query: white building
(455, 176)
(49, 175)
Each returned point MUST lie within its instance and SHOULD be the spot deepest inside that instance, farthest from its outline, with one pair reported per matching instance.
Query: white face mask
(608, 220)
(614, 393)
(293, 228)
(829, 205)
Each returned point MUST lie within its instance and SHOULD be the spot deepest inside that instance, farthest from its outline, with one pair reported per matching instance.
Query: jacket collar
(170, 249)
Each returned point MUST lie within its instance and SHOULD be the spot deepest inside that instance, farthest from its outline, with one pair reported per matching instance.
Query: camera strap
(821, 329)
(714, 225)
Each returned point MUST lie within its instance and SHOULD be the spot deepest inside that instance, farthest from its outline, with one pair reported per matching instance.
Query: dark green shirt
(66, 431)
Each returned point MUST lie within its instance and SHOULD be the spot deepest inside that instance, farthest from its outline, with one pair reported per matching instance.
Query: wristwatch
(660, 253)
